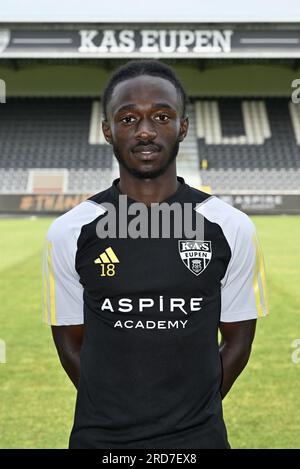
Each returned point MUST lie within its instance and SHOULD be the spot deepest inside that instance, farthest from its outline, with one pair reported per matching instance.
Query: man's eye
(162, 117)
(127, 119)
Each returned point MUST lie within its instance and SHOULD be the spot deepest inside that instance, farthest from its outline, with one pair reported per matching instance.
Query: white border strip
(59, 171)
(139, 55)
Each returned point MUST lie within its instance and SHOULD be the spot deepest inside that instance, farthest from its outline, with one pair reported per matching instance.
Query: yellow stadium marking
(52, 286)
(112, 255)
(204, 164)
(206, 189)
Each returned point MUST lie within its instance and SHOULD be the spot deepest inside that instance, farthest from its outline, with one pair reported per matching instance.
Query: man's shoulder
(195, 195)
(71, 222)
(228, 217)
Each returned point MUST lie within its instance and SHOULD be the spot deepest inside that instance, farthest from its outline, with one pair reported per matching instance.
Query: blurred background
(240, 65)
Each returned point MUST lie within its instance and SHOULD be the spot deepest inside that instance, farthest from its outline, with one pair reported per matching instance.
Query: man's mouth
(146, 151)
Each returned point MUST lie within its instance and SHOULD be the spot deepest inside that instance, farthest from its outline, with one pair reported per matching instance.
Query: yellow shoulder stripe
(260, 269)
(45, 287)
(51, 285)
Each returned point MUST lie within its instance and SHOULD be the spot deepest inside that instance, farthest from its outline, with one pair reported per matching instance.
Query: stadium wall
(206, 79)
(43, 204)
(201, 78)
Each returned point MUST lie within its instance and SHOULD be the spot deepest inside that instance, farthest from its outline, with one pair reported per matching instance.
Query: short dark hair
(136, 68)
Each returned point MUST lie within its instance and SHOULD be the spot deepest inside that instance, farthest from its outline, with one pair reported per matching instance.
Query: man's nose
(145, 130)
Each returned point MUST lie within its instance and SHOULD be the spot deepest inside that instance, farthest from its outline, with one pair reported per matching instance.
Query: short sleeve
(244, 286)
(62, 290)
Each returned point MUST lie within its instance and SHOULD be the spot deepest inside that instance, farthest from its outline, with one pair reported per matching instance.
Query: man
(135, 319)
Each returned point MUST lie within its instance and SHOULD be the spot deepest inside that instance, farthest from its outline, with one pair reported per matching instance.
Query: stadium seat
(245, 144)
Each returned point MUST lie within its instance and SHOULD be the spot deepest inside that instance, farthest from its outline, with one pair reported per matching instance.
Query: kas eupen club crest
(195, 254)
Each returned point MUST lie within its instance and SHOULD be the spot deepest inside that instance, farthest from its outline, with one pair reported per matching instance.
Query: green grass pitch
(37, 399)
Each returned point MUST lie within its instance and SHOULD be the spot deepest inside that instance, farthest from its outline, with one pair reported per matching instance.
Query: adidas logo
(107, 257)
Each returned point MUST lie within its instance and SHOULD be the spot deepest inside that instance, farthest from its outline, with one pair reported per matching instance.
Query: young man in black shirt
(135, 319)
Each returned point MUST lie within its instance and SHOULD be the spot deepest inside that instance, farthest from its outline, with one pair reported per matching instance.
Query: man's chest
(170, 284)
(115, 267)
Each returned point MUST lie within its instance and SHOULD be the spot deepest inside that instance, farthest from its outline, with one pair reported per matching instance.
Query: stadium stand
(51, 134)
(249, 144)
(233, 144)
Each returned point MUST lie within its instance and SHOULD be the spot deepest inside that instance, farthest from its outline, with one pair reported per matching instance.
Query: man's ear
(184, 125)
(106, 131)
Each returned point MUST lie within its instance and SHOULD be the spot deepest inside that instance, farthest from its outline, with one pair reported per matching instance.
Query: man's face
(145, 125)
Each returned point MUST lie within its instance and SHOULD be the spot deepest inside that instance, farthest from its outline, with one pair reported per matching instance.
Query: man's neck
(149, 191)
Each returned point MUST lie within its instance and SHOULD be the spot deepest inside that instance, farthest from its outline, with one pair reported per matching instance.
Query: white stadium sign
(137, 41)
(153, 41)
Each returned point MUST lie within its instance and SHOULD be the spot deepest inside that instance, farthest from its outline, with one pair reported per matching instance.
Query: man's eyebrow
(159, 105)
(125, 107)
(134, 106)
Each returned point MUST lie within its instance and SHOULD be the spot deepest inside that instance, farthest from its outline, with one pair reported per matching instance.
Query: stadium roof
(158, 11)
